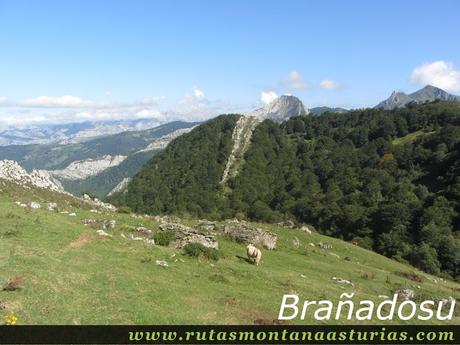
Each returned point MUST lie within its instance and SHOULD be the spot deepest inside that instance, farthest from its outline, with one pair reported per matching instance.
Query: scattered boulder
(406, 294)
(207, 225)
(185, 235)
(306, 229)
(73, 214)
(287, 224)
(342, 281)
(161, 263)
(98, 203)
(244, 233)
(149, 241)
(34, 205)
(144, 230)
(295, 242)
(102, 233)
(20, 204)
(51, 206)
(325, 245)
(109, 224)
(184, 238)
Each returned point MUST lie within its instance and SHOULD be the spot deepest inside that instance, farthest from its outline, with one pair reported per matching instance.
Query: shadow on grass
(241, 258)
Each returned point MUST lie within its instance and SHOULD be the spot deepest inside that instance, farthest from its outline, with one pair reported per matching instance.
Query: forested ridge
(185, 176)
(386, 180)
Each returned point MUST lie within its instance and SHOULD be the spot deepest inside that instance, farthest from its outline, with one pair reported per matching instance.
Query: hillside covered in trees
(386, 180)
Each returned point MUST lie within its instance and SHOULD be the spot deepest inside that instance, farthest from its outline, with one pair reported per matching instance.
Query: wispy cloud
(43, 110)
(294, 81)
(62, 101)
(329, 84)
(439, 73)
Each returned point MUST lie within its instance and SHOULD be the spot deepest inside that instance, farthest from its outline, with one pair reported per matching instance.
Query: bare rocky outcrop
(185, 235)
(121, 186)
(247, 234)
(82, 169)
(161, 142)
(12, 171)
(280, 109)
(242, 134)
(98, 203)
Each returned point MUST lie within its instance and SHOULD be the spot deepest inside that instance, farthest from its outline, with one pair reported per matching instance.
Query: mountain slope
(63, 261)
(428, 94)
(385, 179)
(54, 156)
(185, 176)
(104, 182)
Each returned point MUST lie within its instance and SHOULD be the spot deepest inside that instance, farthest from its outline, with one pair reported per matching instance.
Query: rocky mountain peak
(280, 109)
(432, 93)
(428, 93)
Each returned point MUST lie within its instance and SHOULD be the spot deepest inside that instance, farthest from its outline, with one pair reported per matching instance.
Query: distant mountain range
(322, 110)
(428, 94)
(72, 132)
(101, 157)
(97, 165)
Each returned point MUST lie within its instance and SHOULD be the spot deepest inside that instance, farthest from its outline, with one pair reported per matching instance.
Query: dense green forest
(185, 176)
(386, 180)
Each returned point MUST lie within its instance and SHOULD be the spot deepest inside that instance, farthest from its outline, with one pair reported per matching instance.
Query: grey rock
(242, 232)
(428, 94)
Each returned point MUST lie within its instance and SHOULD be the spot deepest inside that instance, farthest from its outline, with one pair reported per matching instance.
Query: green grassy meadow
(72, 276)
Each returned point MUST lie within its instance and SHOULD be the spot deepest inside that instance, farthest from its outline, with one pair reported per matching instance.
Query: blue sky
(71, 60)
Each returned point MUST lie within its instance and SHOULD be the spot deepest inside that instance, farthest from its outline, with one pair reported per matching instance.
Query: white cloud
(268, 96)
(194, 98)
(198, 93)
(295, 81)
(148, 113)
(439, 73)
(330, 84)
(3, 100)
(62, 101)
(44, 110)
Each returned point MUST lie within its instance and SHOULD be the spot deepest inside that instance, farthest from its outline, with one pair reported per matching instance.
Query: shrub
(199, 250)
(410, 275)
(124, 209)
(164, 238)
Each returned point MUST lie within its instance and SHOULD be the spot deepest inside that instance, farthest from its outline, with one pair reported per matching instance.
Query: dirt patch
(255, 314)
(82, 240)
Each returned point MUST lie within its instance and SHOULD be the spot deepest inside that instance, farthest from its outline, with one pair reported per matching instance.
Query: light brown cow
(254, 254)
